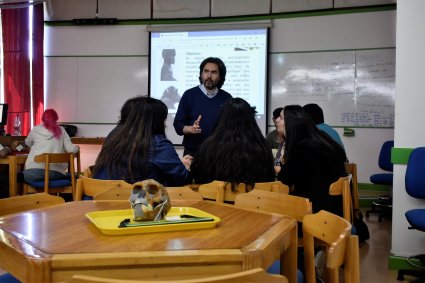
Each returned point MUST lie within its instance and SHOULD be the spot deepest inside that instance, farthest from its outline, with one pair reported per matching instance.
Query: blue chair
(383, 204)
(415, 187)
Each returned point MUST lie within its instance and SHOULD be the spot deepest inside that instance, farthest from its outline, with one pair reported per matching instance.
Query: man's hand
(194, 129)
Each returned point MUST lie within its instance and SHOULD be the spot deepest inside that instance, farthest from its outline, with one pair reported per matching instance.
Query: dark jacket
(311, 169)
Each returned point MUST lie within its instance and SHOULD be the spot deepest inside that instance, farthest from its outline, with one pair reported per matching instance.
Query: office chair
(415, 187)
(383, 204)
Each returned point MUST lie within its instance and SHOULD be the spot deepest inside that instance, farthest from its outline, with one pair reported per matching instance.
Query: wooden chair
(351, 169)
(256, 275)
(342, 187)
(176, 193)
(27, 202)
(222, 192)
(341, 248)
(91, 187)
(118, 193)
(276, 186)
(55, 186)
(294, 206)
(88, 171)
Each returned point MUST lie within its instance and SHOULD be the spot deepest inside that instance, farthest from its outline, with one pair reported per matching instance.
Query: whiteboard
(354, 88)
(90, 91)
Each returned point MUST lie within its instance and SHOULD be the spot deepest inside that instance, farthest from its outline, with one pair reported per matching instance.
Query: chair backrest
(176, 193)
(118, 193)
(342, 187)
(294, 206)
(276, 186)
(256, 275)
(342, 248)
(88, 171)
(415, 173)
(91, 187)
(27, 202)
(351, 169)
(69, 158)
(384, 160)
(220, 191)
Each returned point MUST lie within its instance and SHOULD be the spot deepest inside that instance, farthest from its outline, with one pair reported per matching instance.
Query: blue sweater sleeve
(182, 119)
(168, 165)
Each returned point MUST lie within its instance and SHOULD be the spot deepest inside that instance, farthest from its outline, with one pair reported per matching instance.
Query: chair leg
(410, 272)
(25, 189)
(418, 273)
(382, 206)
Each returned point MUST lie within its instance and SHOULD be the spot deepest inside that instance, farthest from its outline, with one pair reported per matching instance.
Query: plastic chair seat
(416, 218)
(382, 179)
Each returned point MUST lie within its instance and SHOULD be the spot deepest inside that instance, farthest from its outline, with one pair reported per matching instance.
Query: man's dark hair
(221, 69)
(315, 112)
(276, 112)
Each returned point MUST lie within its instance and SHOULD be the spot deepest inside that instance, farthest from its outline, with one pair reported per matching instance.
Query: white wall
(409, 118)
(85, 88)
(342, 32)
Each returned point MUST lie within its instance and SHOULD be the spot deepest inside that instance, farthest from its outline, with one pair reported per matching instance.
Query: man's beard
(210, 85)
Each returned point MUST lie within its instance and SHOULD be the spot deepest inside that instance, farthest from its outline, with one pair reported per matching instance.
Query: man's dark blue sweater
(192, 104)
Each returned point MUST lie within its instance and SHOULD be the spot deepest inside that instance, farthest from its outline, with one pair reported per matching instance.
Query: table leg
(289, 257)
(13, 182)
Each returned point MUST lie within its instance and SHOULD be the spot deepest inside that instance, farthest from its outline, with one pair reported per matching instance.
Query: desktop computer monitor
(3, 116)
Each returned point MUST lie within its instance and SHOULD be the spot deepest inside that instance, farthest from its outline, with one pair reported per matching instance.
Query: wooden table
(13, 160)
(51, 244)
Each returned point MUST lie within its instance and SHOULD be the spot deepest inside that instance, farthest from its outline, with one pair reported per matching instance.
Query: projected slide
(176, 56)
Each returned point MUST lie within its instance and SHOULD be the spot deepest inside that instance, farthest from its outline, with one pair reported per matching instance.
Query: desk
(13, 160)
(51, 244)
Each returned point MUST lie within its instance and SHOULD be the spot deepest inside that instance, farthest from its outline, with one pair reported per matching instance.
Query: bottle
(17, 125)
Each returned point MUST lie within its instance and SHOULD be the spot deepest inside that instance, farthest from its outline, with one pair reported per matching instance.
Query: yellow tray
(107, 221)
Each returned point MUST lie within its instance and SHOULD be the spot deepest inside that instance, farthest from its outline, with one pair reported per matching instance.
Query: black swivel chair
(383, 204)
(415, 187)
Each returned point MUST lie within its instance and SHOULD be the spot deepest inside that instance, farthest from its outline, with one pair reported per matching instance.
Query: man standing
(200, 106)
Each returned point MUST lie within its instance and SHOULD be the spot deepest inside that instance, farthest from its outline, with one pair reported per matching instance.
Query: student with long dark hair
(139, 149)
(124, 112)
(313, 160)
(237, 151)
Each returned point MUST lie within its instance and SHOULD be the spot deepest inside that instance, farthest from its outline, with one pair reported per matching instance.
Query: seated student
(4, 177)
(273, 138)
(276, 141)
(47, 137)
(139, 149)
(316, 113)
(313, 160)
(237, 151)
(125, 111)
